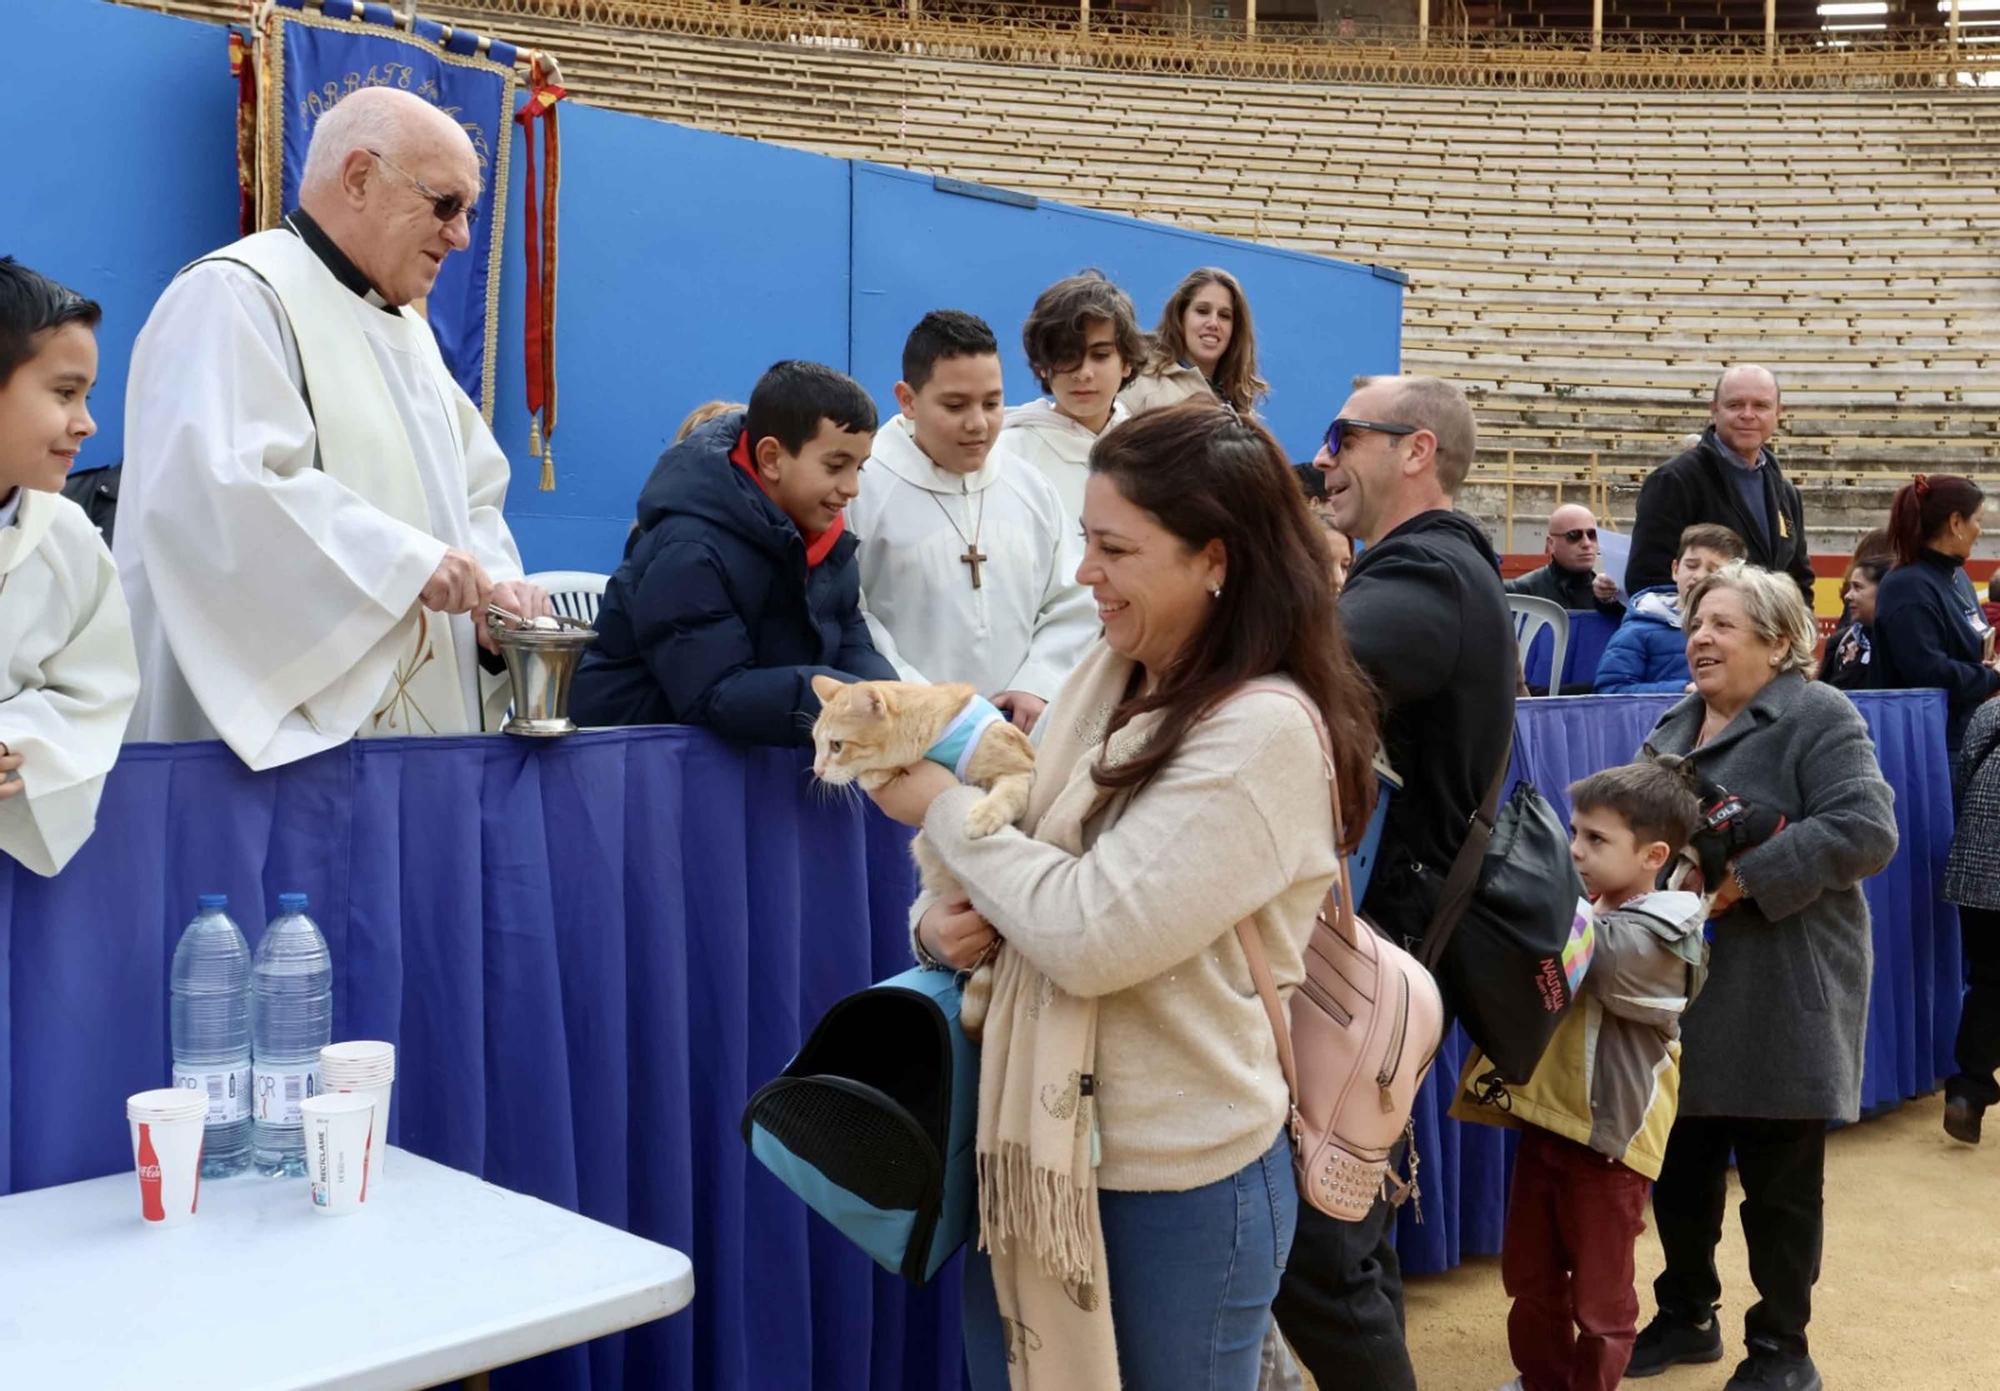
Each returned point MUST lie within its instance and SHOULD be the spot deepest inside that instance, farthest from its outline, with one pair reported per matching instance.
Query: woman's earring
(1215, 591)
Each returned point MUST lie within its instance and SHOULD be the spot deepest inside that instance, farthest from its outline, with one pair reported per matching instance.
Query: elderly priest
(310, 529)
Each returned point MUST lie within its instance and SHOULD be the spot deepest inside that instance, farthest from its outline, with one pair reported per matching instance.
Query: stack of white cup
(366, 1067)
(168, 1125)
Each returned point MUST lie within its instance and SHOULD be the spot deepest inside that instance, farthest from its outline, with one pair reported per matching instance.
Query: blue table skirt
(707, 899)
(554, 935)
(1589, 633)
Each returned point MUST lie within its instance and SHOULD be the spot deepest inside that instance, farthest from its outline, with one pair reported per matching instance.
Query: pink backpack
(1362, 1031)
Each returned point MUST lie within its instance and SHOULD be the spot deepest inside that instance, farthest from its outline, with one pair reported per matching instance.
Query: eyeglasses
(447, 206)
(1342, 425)
(1574, 534)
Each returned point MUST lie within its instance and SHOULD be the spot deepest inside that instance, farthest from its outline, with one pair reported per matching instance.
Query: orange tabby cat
(869, 731)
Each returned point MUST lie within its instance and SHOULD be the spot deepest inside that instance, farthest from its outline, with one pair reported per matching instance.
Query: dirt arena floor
(1908, 1298)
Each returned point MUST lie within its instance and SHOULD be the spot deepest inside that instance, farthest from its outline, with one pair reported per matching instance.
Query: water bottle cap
(291, 903)
(209, 903)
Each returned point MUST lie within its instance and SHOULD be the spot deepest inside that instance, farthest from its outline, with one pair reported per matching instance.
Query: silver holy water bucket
(540, 663)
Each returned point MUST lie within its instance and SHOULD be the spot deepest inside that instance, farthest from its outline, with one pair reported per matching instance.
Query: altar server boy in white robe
(1083, 344)
(310, 524)
(968, 557)
(67, 673)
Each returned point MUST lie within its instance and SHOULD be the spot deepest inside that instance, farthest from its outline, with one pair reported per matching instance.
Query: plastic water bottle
(211, 1029)
(291, 1019)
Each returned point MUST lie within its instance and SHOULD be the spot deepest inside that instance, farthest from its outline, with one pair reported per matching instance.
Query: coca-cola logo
(148, 1161)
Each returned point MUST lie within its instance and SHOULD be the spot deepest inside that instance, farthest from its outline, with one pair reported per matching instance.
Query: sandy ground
(1909, 1293)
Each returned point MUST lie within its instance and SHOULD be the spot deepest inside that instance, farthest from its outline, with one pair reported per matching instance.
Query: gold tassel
(535, 438)
(548, 470)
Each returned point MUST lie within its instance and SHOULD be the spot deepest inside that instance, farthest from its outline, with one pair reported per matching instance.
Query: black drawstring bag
(1512, 937)
(872, 1124)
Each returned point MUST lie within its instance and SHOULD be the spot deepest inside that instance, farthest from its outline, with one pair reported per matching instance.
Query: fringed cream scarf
(1037, 1139)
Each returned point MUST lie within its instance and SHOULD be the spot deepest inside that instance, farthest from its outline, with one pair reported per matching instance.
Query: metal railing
(1447, 54)
(1517, 493)
(1180, 44)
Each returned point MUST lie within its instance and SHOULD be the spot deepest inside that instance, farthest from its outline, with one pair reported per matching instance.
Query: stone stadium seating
(1715, 16)
(1583, 261)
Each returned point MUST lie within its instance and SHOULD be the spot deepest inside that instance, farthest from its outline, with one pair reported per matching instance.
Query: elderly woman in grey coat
(1972, 881)
(1771, 1049)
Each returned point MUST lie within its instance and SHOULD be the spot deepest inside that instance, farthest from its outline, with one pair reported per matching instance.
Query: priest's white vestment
(298, 460)
(1056, 444)
(1025, 625)
(68, 676)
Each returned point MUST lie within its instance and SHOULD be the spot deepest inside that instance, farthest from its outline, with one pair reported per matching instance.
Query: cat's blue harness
(954, 747)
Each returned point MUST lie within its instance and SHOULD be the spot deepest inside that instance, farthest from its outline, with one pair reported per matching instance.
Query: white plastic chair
(574, 593)
(1531, 616)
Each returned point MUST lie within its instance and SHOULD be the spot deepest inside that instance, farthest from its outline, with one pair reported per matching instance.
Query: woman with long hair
(1136, 1195)
(1204, 349)
(1929, 631)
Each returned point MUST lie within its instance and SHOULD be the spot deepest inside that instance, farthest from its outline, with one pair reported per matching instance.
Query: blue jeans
(1192, 1279)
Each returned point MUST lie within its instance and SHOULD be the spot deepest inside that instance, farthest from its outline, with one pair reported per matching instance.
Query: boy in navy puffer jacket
(1648, 653)
(741, 584)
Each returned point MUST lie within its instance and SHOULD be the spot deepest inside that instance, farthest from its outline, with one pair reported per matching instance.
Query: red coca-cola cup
(167, 1129)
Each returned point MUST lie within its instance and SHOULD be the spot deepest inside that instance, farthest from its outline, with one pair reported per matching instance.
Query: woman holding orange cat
(1136, 1191)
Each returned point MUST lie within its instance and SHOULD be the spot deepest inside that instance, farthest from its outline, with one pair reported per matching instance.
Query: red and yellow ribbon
(538, 248)
(243, 70)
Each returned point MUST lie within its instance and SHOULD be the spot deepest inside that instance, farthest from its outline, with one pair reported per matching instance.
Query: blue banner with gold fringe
(314, 52)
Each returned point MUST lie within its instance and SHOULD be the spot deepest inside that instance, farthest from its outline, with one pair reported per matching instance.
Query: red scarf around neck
(819, 544)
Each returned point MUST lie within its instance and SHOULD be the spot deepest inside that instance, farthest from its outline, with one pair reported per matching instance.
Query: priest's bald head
(393, 181)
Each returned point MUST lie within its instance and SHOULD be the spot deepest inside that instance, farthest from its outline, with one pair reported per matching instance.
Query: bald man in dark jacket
(1730, 478)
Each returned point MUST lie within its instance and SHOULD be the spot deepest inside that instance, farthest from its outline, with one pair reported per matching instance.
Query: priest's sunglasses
(1574, 534)
(446, 205)
(1343, 426)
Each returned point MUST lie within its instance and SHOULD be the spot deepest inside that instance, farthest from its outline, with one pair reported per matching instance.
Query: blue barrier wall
(120, 165)
(689, 260)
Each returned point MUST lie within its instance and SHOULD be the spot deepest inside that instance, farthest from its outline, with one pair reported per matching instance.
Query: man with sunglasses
(1570, 578)
(1427, 619)
(310, 528)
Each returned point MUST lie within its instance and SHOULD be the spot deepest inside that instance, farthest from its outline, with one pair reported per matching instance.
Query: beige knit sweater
(1237, 824)
(1150, 392)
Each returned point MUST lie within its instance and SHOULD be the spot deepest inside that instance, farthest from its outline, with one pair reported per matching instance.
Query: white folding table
(442, 1275)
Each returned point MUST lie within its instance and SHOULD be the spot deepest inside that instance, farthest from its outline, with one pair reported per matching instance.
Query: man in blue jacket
(741, 585)
(1648, 653)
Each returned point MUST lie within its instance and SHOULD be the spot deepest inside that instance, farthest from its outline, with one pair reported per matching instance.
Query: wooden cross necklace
(973, 556)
